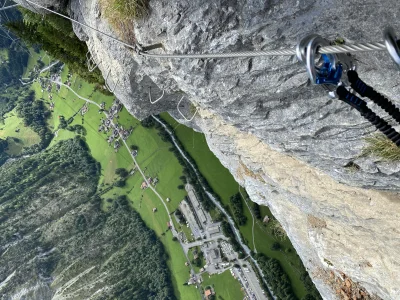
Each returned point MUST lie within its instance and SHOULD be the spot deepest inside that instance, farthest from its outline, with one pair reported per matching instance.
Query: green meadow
(154, 158)
(225, 286)
(18, 134)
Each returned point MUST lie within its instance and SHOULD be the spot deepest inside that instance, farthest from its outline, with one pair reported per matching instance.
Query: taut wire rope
(361, 47)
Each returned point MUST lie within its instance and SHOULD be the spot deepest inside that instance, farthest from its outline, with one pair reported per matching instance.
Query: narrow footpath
(252, 218)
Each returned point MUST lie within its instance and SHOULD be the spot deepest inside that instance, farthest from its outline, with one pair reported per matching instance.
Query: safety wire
(362, 47)
(343, 94)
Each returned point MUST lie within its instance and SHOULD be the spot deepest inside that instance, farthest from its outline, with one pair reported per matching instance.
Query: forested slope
(56, 243)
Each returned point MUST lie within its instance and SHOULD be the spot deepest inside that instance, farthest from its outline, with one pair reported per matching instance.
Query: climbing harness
(327, 71)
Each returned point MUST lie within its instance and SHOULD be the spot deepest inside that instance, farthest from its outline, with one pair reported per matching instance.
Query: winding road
(41, 71)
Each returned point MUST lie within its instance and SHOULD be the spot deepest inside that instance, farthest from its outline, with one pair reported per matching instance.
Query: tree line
(16, 54)
(14, 68)
(237, 209)
(3, 148)
(279, 280)
(55, 35)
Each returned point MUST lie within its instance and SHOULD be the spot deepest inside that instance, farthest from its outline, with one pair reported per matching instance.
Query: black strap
(366, 91)
(368, 114)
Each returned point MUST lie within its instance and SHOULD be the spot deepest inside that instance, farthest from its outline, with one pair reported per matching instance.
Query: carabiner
(301, 48)
(326, 70)
(392, 44)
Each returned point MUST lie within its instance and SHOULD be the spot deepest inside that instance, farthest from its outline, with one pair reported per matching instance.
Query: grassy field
(191, 258)
(219, 178)
(225, 186)
(19, 135)
(226, 287)
(33, 58)
(3, 55)
(154, 158)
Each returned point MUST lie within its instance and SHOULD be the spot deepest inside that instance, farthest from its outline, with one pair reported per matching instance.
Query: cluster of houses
(150, 180)
(107, 125)
(47, 86)
(124, 132)
(115, 108)
(84, 109)
(117, 131)
(68, 81)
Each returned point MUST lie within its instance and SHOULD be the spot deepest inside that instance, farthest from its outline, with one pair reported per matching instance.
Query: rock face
(286, 142)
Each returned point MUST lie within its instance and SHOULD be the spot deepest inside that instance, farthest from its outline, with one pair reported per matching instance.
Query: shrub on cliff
(120, 13)
(380, 146)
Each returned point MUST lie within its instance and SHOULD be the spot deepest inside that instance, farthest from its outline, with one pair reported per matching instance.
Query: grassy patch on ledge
(116, 10)
(380, 146)
(120, 14)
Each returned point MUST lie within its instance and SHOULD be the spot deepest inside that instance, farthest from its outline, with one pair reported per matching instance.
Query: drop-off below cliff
(286, 142)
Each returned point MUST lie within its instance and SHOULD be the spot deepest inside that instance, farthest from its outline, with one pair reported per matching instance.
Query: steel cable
(362, 47)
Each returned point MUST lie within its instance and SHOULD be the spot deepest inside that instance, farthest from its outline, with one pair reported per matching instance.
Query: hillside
(56, 243)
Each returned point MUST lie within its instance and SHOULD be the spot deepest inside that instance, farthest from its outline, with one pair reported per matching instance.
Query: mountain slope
(56, 243)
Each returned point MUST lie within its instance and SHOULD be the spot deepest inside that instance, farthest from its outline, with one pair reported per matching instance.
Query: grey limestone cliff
(286, 142)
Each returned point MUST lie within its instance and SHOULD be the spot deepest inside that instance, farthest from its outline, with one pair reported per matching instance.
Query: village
(202, 239)
(114, 130)
(206, 241)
